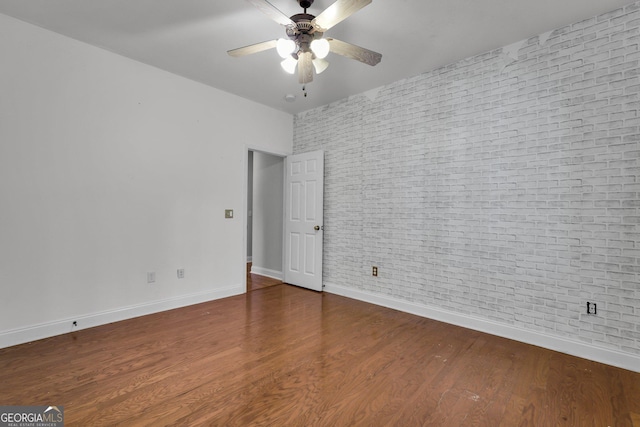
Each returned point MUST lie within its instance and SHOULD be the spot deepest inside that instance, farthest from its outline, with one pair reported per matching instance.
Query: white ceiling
(190, 37)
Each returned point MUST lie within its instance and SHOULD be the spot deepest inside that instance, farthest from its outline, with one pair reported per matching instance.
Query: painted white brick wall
(501, 188)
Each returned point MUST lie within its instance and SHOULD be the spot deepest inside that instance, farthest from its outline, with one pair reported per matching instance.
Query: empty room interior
(320, 213)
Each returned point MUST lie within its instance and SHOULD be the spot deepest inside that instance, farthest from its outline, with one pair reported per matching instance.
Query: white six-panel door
(304, 191)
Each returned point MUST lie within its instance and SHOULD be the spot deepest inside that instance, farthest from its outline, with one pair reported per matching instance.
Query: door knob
(317, 228)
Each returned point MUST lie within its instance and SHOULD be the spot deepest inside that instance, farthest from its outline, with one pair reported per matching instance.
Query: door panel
(295, 201)
(303, 219)
(294, 252)
(309, 251)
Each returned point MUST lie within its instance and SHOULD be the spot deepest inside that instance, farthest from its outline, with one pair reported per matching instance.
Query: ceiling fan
(304, 47)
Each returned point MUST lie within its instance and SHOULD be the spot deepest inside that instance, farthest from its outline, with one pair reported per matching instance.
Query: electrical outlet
(151, 277)
(592, 308)
(374, 271)
(181, 273)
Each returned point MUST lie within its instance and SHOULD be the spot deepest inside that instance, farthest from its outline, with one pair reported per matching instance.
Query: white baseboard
(50, 329)
(575, 348)
(266, 272)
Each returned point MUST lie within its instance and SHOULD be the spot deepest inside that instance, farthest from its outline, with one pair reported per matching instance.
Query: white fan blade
(305, 68)
(253, 48)
(336, 13)
(354, 52)
(273, 12)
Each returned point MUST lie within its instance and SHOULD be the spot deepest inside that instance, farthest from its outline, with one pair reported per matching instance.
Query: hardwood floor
(285, 356)
(256, 281)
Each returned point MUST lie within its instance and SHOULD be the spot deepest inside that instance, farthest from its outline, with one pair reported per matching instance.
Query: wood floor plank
(281, 355)
(530, 373)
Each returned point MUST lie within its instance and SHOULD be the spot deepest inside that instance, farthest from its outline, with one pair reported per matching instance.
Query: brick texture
(497, 188)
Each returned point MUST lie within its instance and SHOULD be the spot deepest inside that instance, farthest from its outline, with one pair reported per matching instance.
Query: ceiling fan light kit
(320, 65)
(320, 48)
(285, 47)
(289, 65)
(305, 48)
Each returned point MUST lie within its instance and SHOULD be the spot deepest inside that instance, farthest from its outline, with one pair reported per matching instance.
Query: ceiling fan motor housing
(303, 33)
(303, 23)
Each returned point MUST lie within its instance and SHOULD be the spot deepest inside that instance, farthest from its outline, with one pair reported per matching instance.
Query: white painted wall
(501, 192)
(268, 214)
(110, 169)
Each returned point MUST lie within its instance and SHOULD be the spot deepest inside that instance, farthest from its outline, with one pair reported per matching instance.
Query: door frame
(245, 167)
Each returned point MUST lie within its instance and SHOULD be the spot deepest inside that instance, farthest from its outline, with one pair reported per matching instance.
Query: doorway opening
(265, 218)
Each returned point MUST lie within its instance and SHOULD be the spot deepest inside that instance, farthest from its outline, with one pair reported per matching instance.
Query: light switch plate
(228, 213)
